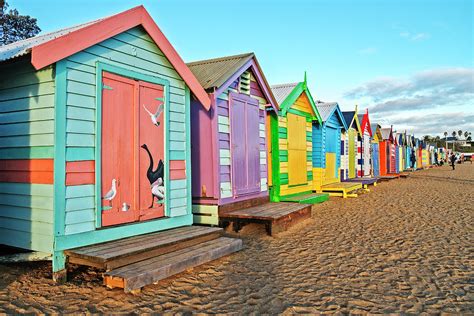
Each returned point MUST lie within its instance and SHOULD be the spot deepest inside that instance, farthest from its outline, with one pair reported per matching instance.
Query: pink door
(245, 146)
(125, 164)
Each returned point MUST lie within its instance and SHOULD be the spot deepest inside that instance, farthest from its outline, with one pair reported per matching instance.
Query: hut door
(297, 173)
(245, 142)
(127, 170)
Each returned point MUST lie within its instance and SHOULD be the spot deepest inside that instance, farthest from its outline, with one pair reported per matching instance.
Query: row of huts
(106, 133)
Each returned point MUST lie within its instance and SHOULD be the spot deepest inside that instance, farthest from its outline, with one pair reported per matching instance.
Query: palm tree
(466, 134)
(460, 133)
(445, 134)
(453, 133)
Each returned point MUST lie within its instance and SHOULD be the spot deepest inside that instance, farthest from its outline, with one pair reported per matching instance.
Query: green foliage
(15, 27)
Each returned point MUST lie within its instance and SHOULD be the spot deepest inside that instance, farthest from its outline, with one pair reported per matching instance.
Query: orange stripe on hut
(27, 171)
(177, 169)
(80, 172)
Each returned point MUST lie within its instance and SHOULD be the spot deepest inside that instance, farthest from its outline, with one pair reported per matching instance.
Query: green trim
(283, 178)
(301, 87)
(100, 68)
(60, 149)
(308, 116)
(59, 204)
(41, 152)
(297, 185)
(187, 109)
(274, 129)
(119, 232)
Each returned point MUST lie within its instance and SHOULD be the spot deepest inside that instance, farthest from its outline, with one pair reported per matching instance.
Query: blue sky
(409, 62)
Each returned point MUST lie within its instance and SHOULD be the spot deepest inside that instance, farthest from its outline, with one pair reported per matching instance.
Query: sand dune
(407, 246)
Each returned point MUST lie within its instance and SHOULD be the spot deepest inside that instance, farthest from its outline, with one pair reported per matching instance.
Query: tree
(15, 27)
(453, 133)
(445, 134)
(460, 133)
(466, 134)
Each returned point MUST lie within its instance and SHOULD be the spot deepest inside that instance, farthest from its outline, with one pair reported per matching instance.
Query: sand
(407, 246)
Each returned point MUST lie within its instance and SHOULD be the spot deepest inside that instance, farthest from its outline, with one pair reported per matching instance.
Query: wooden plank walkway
(276, 217)
(126, 251)
(342, 189)
(389, 177)
(134, 276)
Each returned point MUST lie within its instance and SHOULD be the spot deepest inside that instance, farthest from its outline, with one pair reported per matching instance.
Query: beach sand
(407, 246)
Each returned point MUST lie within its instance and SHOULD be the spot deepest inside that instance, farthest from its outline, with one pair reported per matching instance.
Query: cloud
(435, 123)
(414, 36)
(427, 101)
(367, 51)
(426, 89)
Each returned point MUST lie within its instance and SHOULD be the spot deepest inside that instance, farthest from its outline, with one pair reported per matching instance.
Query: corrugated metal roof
(23, 47)
(348, 116)
(325, 109)
(214, 72)
(281, 91)
(385, 132)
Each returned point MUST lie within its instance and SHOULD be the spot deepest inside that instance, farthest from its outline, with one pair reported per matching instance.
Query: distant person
(453, 160)
(462, 158)
(413, 160)
(436, 159)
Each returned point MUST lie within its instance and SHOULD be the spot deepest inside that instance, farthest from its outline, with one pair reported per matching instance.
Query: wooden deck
(306, 198)
(276, 217)
(364, 181)
(390, 176)
(137, 275)
(342, 189)
(122, 252)
(134, 262)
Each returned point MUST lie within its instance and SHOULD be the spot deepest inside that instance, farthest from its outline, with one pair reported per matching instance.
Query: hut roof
(326, 110)
(49, 48)
(214, 73)
(386, 133)
(281, 91)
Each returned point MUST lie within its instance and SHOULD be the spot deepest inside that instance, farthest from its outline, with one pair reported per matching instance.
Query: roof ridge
(219, 59)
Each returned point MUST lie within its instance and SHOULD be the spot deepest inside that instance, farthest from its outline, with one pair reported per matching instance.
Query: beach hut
(365, 141)
(408, 151)
(327, 151)
(419, 154)
(292, 144)
(229, 143)
(387, 153)
(95, 146)
(376, 138)
(351, 139)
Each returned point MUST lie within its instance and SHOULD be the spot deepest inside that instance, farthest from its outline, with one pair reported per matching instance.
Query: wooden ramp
(306, 198)
(276, 217)
(180, 248)
(342, 189)
(404, 175)
(364, 181)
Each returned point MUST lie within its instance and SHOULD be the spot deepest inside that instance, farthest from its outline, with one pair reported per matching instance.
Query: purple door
(245, 145)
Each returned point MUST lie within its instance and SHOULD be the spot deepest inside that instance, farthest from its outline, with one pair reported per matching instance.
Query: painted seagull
(154, 116)
(109, 196)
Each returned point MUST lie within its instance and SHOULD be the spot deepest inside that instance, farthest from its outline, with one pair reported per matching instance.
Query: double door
(132, 150)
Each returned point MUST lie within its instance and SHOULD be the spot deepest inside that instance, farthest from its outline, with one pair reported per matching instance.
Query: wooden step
(276, 217)
(305, 198)
(118, 253)
(140, 274)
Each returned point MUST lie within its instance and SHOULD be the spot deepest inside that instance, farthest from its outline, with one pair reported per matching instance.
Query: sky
(409, 62)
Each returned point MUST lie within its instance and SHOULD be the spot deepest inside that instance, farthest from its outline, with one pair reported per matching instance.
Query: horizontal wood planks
(137, 275)
(130, 250)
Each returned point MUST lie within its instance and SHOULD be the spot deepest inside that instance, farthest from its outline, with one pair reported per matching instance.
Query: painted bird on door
(155, 177)
(154, 116)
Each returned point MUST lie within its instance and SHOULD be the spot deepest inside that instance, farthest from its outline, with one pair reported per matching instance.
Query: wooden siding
(26, 155)
(26, 215)
(130, 50)
(224, 130)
